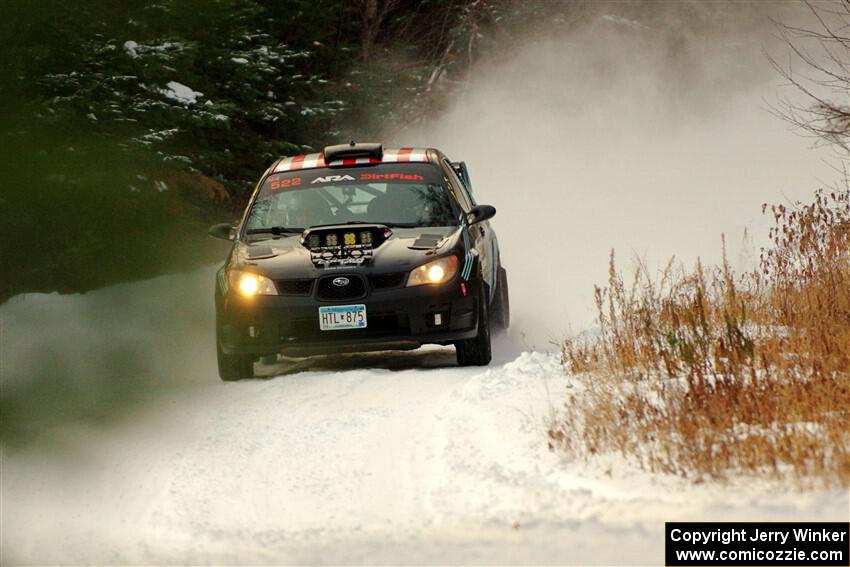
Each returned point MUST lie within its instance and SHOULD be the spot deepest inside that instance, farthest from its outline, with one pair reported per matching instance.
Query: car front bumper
(400, 318)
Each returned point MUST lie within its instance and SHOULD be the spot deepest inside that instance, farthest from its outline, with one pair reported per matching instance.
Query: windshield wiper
(276, 230)
(387, 224)
(340, 223)
(400, 224)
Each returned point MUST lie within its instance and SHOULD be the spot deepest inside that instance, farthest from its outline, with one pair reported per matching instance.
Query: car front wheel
(233, 367)
(476, 351)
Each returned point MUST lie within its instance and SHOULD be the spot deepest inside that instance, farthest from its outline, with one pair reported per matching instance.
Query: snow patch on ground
(162, 50)
(131, 47)
(620, 20)
(179, 92)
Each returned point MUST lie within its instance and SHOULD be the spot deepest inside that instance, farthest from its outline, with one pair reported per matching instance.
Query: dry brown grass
(704, 374)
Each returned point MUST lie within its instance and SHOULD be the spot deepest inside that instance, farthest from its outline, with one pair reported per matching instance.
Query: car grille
(327, 290)
(294, 287)
(386, 281)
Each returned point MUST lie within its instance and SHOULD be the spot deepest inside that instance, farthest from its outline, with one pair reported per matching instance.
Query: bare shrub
(818, 67)
(702, 373)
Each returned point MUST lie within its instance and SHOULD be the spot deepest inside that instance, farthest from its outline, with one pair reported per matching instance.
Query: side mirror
(480, 213)
(225, 231)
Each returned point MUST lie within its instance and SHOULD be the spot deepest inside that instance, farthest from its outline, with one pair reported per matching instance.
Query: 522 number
(278, 184)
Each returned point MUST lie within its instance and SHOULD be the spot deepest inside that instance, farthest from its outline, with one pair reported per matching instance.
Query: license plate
(342, 317)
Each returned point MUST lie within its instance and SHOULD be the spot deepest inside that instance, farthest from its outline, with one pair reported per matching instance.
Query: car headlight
(436, 272)
(250, 284)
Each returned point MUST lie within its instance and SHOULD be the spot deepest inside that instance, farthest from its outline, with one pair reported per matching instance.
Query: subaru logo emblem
(341, 282)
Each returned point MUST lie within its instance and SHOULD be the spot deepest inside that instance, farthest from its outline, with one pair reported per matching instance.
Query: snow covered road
(422, 465)
(376, 458)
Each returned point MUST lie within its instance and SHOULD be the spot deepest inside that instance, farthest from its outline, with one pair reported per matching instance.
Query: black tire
(501, 303)
(233, 367)
(477, 351)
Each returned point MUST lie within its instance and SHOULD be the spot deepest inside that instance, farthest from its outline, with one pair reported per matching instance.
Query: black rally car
(359, 248)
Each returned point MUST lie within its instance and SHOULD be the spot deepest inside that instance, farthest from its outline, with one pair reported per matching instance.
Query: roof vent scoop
(353, 150)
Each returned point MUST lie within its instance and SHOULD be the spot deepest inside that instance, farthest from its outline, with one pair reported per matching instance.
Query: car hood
(284, 257)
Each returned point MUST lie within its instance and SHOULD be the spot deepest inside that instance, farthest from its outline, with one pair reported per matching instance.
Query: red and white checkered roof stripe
(311, 161)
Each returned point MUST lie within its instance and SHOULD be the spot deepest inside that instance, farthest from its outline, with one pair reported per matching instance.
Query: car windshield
(412, 196)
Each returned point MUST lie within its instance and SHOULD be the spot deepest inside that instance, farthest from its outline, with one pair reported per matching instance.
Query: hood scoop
(427, 242)
(260, 252)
